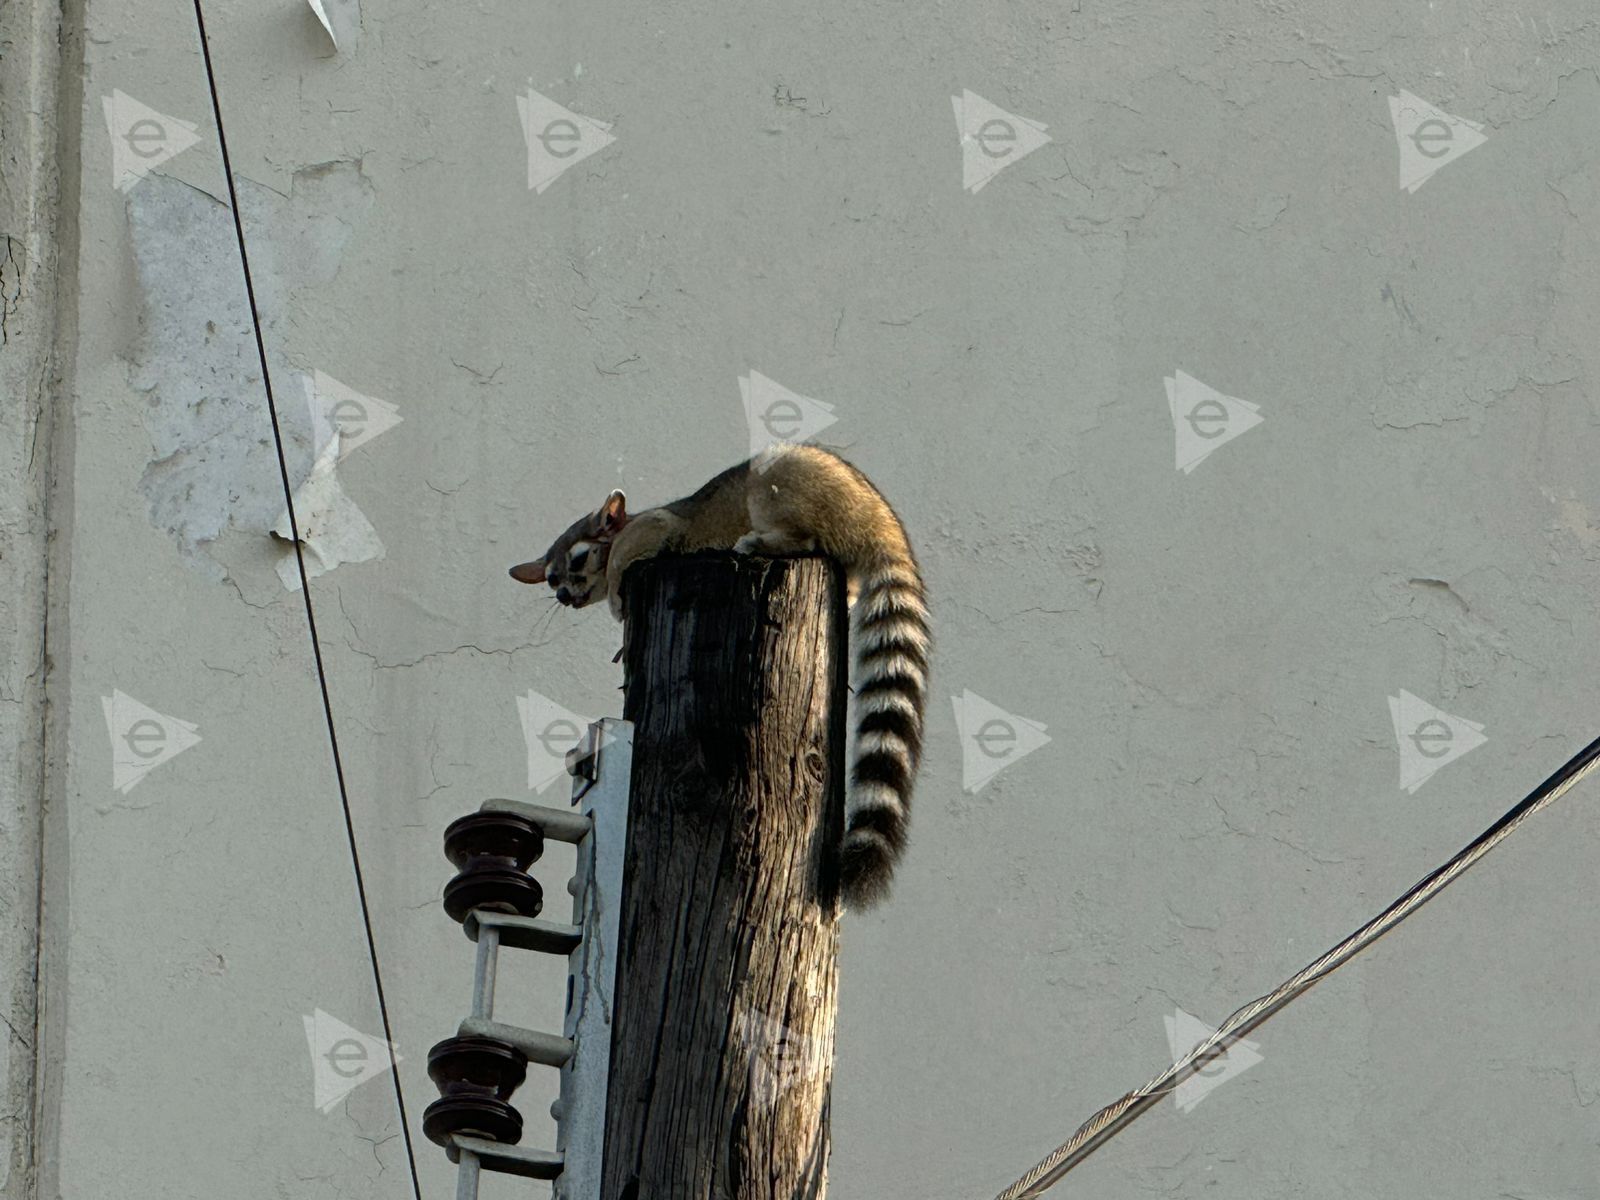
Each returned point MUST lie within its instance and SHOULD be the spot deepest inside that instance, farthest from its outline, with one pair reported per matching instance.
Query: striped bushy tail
(892, 641)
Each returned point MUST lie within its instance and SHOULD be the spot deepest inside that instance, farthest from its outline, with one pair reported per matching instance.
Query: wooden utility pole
(722, 1040)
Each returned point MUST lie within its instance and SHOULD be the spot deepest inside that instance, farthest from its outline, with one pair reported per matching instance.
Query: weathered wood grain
(723, 1037)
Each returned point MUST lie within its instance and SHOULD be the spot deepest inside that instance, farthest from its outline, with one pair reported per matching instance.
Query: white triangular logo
(992, 139)
(550, 730)
(991, 739)
(557, 138)
(1186, 1031)
(1428, 138)
(1428, 738)
(1203, 418)
(142, 138)
(336, 406)
(777, 416)
(141, 738)
(781, 1057)
(343, 1058)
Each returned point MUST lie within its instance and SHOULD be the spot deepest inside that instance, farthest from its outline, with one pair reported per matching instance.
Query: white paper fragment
(322, 15)
(342, 20)
(332, 529)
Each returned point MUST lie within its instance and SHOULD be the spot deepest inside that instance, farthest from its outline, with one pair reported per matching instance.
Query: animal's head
(575, 564)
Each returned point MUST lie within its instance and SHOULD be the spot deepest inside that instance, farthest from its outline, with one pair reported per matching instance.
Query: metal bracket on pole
(498, 905)
(600, 789)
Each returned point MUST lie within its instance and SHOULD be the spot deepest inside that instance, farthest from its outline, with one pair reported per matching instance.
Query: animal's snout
(564, 594)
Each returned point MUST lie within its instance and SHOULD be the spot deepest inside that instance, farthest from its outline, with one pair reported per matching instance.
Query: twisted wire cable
(1113, 1118)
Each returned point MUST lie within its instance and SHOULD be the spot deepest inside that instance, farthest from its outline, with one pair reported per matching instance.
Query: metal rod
(591, 980)
(483, 974)
(508, 1160)
(467, 1176)
(525, 933)
(547, 1049)
(557, 824)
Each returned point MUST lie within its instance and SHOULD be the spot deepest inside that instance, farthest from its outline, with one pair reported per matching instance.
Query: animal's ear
(529, 572)
(613, 513)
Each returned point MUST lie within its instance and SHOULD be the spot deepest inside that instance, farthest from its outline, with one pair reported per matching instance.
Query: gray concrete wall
(1409, 511)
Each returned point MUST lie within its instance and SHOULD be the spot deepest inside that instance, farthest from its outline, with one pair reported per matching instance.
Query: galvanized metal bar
(466, 1175)
(547, 1049)
(557, 824)
(508, 1160)
(524, 933)
(603, 769)
(483, 973)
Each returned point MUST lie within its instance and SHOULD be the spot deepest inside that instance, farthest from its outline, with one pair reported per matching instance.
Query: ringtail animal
(792, 499)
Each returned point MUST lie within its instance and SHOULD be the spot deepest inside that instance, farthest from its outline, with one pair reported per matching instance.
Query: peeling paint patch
(332, 529)
(214, 463)
(1442, 589)
(342, 20)
(299, 239)
(322, 15)
(1574, 521)
(1472, 643)
(1438, 384)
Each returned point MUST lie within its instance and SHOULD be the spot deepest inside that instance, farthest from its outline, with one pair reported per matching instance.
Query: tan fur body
(787, 500)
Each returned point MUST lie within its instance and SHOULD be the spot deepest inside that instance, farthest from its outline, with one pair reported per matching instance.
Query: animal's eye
(579, 559)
